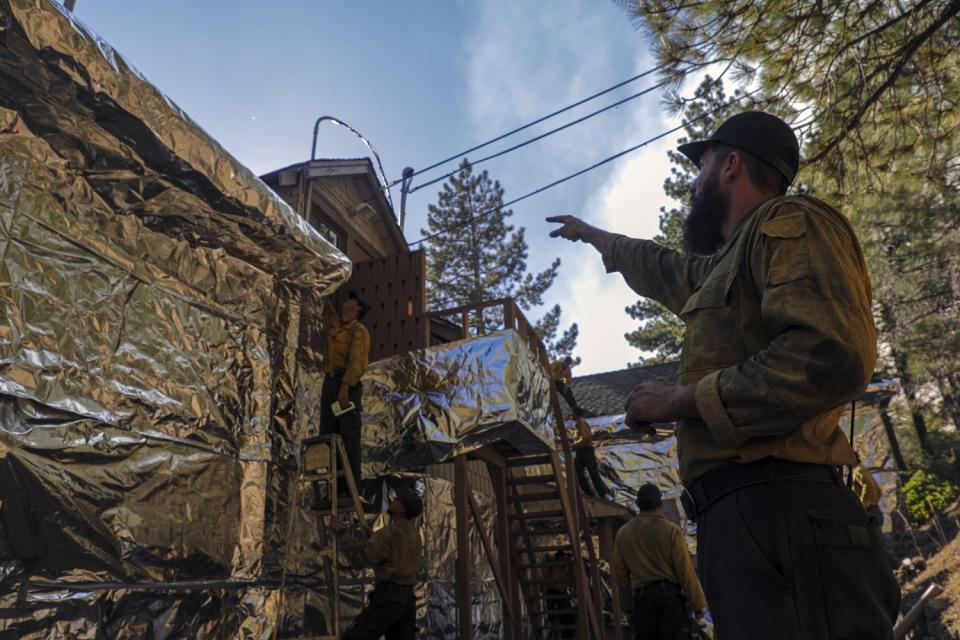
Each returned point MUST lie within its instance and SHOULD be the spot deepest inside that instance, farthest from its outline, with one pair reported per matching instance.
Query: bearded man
(779, 336)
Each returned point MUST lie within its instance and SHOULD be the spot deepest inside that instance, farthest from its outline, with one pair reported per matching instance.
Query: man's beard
(703, 226)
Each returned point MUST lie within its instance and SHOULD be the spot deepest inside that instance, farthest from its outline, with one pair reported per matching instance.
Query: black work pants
(346, 426)
(660, 612)
(567, 394)
(585, 459)
(795, 560)
(391, 613)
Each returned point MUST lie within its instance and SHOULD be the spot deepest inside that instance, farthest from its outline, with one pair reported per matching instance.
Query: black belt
(733, 477)
(660, 586)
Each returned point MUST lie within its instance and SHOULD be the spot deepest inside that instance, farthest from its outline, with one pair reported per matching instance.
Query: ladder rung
(531, 497)
(527, 461)
(531, 480)
(536, 515)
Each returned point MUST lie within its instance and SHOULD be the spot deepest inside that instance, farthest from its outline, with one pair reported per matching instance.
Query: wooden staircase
(551, 545)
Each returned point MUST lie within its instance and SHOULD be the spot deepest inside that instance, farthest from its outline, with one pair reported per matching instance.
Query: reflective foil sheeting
(156, 332)
(628, 460)
(425, 406)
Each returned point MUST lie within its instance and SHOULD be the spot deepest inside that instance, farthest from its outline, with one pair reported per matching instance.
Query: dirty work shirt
(346, 347)
(583, 437)
(394, 552)
(650, 548)
(779, 333)
(865, 487)
(560, 370)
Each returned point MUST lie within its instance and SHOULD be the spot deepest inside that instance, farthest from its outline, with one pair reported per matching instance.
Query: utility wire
(457, 156)
(545, 134)
(582, 171)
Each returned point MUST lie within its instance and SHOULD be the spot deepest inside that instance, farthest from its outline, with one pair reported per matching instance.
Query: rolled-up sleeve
(816, 305)
(655, 271)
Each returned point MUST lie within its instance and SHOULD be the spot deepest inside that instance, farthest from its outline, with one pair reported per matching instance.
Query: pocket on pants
(860, 594)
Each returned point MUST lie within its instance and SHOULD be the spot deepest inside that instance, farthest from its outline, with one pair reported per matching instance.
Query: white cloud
(523, 61)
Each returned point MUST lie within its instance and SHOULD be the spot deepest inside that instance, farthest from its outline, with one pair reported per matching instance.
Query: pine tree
(484, 258)
(872, 89)
(660, 331)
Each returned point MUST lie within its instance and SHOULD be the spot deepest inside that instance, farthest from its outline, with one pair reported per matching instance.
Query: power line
(582, 171)
(545, 134)
(456, 156)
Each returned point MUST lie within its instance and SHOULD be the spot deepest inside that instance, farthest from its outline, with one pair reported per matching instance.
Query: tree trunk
(910, 392)
(891, 435)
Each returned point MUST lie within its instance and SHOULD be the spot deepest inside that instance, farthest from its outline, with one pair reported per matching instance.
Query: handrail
(513, 318)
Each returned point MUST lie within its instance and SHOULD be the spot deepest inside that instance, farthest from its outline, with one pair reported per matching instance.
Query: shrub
(925, 493)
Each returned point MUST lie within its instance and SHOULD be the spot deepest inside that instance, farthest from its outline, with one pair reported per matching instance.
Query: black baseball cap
(649, 497)
(760, 134)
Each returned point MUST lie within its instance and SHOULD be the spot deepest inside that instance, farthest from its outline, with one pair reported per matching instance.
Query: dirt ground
(928, 555)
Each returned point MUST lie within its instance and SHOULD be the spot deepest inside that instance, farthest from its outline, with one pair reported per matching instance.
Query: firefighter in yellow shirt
(396, 555)
(585, 458)
(562, 376)
(345, 353)
(653, 571)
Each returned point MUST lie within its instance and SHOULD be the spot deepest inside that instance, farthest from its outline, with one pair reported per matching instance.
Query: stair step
(546, 549)
(546, 565)
(530, 480)
(538, 532)
(542, 496)
(527, 461)
(556, 627)
(537, 515)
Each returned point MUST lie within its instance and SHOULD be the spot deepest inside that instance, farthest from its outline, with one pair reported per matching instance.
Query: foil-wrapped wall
(156, 303)
(627, 460)
(426, 406)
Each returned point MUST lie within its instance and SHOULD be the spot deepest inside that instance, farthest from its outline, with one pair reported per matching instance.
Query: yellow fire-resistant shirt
(560, 370)
(779, 333)
(650, 548)
(583, 437)
(394, 552)
(866, 487)
(347, 346)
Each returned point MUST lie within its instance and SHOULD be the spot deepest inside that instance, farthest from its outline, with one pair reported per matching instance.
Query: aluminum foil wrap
(425, 406)
(157, 305)
(627, 460)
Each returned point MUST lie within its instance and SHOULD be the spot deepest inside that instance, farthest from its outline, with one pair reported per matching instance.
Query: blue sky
(423, 80)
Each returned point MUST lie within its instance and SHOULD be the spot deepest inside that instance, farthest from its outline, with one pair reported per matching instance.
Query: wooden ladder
(557, 593)
(322, 460)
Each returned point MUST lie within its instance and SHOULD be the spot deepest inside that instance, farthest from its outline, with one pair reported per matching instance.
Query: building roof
(603, 394)
(360, 169)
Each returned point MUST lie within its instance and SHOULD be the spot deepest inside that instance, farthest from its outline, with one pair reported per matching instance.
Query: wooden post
(501, 533)
(607, 537)
(461, 502)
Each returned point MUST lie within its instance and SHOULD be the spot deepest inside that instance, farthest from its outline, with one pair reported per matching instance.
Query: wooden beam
(498, 577)
(489, 455)
(501, 535)
(460, 498)
(607, 539)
